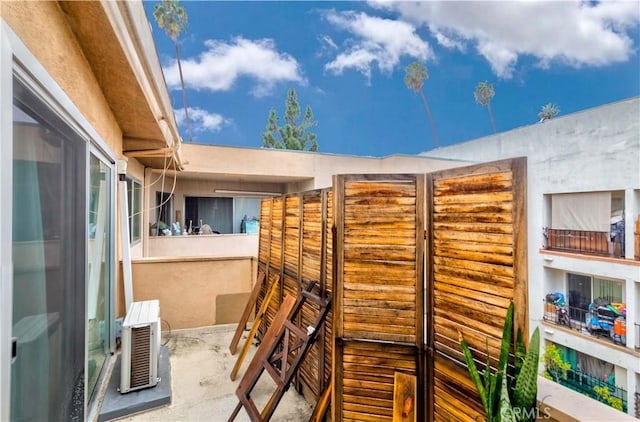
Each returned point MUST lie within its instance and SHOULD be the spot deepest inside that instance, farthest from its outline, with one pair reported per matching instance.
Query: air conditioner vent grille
(140, 352)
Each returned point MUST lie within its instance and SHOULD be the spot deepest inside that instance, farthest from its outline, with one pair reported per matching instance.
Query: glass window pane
(136, 211)
(134, 203)
(217, 213)
(49, 258)
(163, 207)
(99, 270)
(608, 289)
(579, 295)
(245, 209)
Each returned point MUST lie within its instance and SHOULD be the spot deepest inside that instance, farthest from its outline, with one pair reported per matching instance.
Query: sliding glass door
(49, 263)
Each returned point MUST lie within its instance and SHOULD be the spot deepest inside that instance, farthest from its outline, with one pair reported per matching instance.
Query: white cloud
(221, 64)
(201, 120)
(376, 41)
(329, 42)
(574, 33)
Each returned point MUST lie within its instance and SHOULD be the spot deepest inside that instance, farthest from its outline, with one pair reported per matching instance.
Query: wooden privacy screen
(364, 240)
(477, 264)
(293, 244)
(378, 297)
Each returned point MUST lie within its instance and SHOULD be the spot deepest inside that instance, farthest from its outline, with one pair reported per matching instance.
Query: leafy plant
(548, 111)
(556, 367)
(501, 399)
(292, 135)
(604, 395)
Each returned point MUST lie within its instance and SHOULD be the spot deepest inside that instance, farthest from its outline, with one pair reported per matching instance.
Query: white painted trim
(124, 245)
(6, 211)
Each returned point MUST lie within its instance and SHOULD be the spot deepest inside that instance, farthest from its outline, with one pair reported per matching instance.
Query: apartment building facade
(583, 196)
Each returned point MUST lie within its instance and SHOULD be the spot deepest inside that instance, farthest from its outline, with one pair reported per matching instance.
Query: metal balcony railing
(584, 384)
(587, 322)
(584, 242)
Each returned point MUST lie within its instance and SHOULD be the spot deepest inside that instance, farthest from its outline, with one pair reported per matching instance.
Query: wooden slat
(321, 406)
(291, 262)
(479, 198)
(254, 328)
(404, 397)
(253, 297)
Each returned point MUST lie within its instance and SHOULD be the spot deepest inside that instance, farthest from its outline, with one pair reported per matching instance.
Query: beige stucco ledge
(564, 404)
(155, 260)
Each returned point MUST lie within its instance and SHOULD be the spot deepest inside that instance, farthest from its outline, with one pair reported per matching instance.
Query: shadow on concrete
(116, 405)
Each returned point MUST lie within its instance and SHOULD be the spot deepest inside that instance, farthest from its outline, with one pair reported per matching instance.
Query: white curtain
(590, 211)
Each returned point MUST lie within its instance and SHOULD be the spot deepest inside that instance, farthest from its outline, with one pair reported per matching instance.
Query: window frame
(235, 230)
(131, 187)
(592, 279)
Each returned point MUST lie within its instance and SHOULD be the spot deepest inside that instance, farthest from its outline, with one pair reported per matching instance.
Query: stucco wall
(195, 292)
(597, 149)
(62, 57)
(299, 170)
(227, 245)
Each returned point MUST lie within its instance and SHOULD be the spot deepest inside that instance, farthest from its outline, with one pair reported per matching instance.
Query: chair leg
(235, 412)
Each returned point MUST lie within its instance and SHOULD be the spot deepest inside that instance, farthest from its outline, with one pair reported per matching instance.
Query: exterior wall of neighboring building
(305, 170)
(226, 172)
(594, 150)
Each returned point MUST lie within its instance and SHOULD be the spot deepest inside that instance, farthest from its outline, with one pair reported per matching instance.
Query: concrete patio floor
(201, 387)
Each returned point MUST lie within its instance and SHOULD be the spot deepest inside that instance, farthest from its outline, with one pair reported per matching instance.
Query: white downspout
(124, 235)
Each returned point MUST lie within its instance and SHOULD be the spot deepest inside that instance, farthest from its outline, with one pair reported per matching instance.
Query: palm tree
(483, 95)
(548, 111)
(173, 19)
(415, 75)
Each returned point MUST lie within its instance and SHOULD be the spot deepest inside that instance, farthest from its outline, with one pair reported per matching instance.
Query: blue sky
(347, 59)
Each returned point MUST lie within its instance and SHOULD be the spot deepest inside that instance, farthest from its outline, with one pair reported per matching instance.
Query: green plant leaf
(489, 382)
(506, 413)
(521, 352)
(475, 376)
(526, 386)
(505, 346)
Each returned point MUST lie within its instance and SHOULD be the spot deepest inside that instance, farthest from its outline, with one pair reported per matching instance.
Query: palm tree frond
(548, 111)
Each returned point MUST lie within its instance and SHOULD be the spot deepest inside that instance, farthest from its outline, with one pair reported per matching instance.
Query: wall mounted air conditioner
(140, 346)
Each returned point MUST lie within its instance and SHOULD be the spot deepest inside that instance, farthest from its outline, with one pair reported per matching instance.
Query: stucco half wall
(217, 245)
(194, 291)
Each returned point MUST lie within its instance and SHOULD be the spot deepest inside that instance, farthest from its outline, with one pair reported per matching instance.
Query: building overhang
(117, 42)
